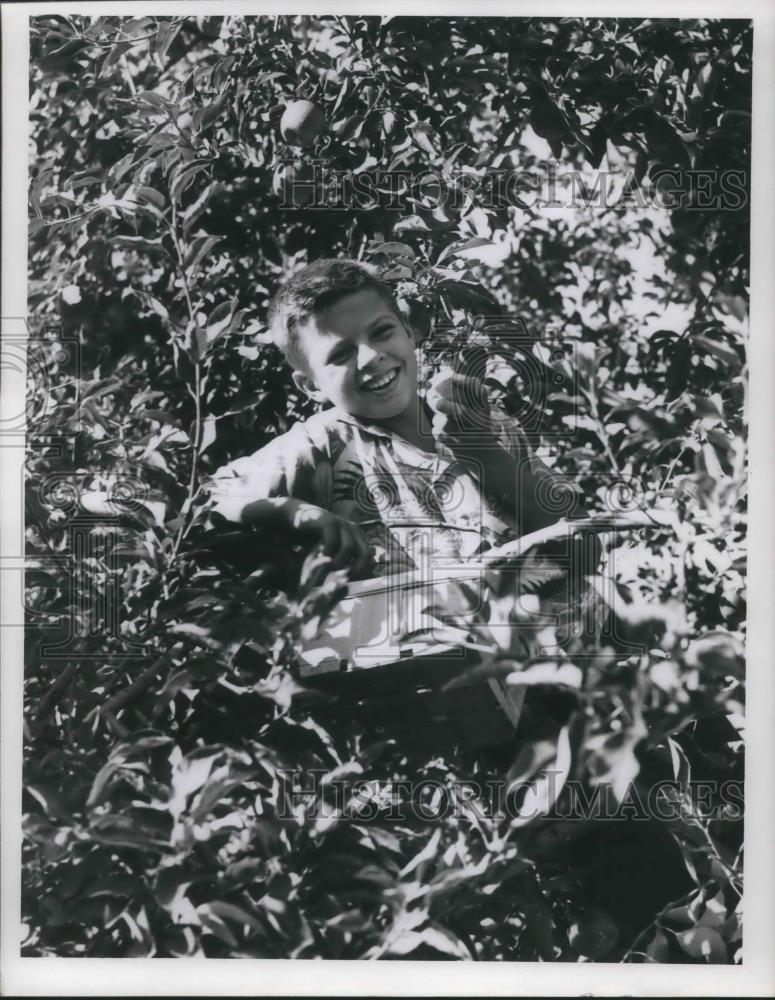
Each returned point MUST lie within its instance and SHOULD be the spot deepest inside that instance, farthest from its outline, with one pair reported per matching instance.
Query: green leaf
(471, 297)
(125, 831)
(82, 178)
(142, 740)
(193, 212)
(428, 853)
(444, 941)
(401, 250)
(228, 911)
(659, 949)
(411, 224)
(219, 320)
(562, 673)
(209, 426)
(154, 197)
(114, 885)
(682, 771)
(215, 790)
(539, 927)
(348, 128)
(205, 116)
(199, 249)
(102, 781)
(244, 872)
(152, 99)
(546, 785)
(705, 944)
(139, 243)
(161, 141)
(51, 799)
(42, 179)
(165, 36)
(702, 82)
(214, 924)
(113, 56)
(184, 176)
(718, 350)
(456, 248)
(122, 166)
(423, 135)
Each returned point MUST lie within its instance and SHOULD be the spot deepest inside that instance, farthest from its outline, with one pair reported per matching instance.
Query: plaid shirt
(415, 508)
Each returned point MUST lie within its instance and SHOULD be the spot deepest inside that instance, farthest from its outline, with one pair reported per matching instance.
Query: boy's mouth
(380, 383)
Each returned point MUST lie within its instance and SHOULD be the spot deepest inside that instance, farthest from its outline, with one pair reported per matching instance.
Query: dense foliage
(164, 725)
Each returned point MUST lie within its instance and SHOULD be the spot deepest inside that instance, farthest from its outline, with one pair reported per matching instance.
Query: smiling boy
(383, 479)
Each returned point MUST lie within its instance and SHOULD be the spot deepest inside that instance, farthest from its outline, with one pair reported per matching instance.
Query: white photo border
(216, 977)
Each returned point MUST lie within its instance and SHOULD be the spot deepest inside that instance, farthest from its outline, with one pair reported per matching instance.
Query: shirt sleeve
(292, 465)
(557, 490)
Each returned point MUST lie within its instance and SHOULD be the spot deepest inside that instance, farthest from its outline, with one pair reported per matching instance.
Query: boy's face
(360, 357)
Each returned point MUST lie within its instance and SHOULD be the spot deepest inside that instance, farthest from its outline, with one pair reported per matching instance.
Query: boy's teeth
(383, 380)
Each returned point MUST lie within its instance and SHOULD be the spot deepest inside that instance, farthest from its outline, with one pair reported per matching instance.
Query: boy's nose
(367, 354)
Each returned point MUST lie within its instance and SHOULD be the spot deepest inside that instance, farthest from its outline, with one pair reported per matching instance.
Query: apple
(301, 123)
(593, 934)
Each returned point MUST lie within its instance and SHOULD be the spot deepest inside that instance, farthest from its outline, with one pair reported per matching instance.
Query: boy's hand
(461, 409)
(342, 540)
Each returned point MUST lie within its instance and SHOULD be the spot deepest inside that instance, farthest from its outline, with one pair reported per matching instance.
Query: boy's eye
(382, 333)
(341, 355)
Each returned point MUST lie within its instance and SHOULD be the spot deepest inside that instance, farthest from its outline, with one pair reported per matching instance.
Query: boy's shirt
(416, 509)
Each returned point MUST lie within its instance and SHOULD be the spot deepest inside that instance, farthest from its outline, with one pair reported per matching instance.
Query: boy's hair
(312, 290)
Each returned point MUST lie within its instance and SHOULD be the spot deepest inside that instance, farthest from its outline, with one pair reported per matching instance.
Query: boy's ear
(403, 315)
(306, 384)
(409, 330)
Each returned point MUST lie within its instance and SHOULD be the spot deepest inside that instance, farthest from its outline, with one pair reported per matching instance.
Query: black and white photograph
(382, 397)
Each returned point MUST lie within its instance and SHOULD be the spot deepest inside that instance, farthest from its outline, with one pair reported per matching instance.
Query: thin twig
(58, 687)
(196, 390)
(127, 75)
(132, 41)
(136, 688)
(671, 469)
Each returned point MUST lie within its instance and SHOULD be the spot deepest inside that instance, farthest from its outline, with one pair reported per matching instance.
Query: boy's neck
(413, 424)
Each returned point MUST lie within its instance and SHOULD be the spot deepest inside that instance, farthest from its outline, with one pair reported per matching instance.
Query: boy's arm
(521, 491)
(527, 490)
(285, 487)
(342, 540)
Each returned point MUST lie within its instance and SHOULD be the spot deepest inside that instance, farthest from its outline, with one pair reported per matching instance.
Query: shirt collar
(374, 429)
(363, 425)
